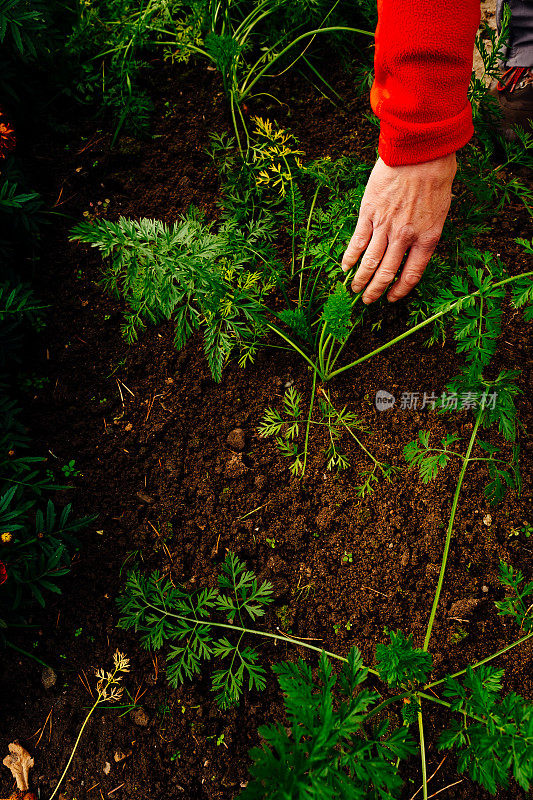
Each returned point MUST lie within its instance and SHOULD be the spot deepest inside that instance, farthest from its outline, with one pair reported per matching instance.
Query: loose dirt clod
(236, 439)
(465, 607)
(48, 677)
(235, 466)
(139, 717)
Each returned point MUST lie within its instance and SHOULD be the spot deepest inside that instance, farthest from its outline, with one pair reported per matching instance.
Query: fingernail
(392, 299)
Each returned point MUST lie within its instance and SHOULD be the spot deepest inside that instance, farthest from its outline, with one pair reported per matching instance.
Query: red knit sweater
(423, 63)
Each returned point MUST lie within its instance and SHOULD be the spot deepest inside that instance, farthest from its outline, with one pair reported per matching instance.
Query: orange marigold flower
(7, 136)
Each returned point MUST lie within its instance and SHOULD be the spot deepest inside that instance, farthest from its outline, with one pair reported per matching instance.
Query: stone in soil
(236, 439)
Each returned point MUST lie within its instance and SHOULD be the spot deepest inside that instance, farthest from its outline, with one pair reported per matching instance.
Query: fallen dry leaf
(120, 756)
(19, 762)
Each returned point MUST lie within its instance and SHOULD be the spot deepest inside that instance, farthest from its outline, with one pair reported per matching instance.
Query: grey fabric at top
(520, 51)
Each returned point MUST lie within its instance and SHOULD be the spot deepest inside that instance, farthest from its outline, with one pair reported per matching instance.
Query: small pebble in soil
(48, 677)
(236, 439)
(485, 588)
(487, 520)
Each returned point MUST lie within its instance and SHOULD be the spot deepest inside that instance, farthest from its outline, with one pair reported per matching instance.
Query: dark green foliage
(187, 273)
(330, 748)
(522, 290)
(400, 663)
(517, 605)
(166, 614)
(36, 558)
(24, 37)
(296, 320)
(337, 312)
(225, 52)
(36, 540)
(326, 753)
(495, 397)
(429, 460)
(503, 472)
(476, 303)
(18, 308)
(494, 736)
(286, 427)
(20, 215)
(369, 10)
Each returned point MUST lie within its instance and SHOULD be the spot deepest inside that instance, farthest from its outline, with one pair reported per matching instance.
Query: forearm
(423, 63)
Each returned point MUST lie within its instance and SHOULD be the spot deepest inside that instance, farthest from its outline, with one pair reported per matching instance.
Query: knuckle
(406, 233)
(429, 240)
(370, 263)
(386, 275)
(411, 278)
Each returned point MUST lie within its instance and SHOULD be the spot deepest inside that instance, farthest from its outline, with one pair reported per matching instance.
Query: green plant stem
(235, 127)
(322, 345)
(423, 755)
(26, 653)
(352, 434)
(293, 215)
(249, 22)
(236, 628)
(448, 539)
(386, 703)
(421, 325)
(392, 342)
(76, 743)
(306, 242)
(483, 661)
(330, 354)
(294, 347)
(311, 404)
(247, 87)
(324, 81)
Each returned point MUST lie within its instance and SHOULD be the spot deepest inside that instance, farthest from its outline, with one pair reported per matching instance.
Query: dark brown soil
(169, 493)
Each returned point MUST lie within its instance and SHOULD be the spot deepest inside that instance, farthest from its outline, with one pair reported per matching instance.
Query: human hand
(403, 209)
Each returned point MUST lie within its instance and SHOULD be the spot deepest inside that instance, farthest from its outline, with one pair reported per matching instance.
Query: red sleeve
(423, 63)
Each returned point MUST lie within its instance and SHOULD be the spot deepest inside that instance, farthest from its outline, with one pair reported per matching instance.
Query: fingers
(371, 260)
(387, 270)
(358, 242)
(412, 271)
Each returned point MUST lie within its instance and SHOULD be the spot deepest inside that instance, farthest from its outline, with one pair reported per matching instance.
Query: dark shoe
(513, 94)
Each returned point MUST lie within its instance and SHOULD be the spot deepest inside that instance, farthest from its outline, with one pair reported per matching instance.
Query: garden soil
(148, 430)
